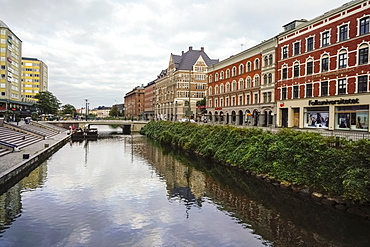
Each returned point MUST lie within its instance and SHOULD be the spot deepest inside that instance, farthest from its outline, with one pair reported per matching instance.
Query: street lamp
(86, 100)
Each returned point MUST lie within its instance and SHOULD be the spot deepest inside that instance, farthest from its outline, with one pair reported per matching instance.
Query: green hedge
(301, 158)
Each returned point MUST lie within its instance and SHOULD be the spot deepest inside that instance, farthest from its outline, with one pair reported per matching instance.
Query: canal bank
(15, 165)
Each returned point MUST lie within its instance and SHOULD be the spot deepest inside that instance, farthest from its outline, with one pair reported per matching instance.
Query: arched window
(342, 59)
(248, 66)
(233, 71)
(248, 82)
(256, 64)
(324, 62)
(270, 78)
(222, 75)
(266, 61)
(216, 89)
(265, 79)
(241, 84)
(233, 86)
(271, 59)
(210, 91)
(210, 78)
(256, 80)
(227, 87)
(216, 77)
(227, 73)
(241, 69)
(222, 89)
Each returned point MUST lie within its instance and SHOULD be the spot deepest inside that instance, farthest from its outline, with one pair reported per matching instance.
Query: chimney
(182, 52)
(202, 48)
(190, 48)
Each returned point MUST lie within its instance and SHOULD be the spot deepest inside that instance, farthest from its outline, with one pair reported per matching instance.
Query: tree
(114, 111)
(69, 109)
(202, 105)
(47, 103)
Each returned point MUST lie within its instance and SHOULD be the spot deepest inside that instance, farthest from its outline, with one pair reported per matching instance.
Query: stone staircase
(16, 138)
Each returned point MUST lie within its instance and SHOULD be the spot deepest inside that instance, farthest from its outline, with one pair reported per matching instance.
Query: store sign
(337, 72)
(334, 102)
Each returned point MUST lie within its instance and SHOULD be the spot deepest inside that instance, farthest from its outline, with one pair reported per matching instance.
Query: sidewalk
(12, 159)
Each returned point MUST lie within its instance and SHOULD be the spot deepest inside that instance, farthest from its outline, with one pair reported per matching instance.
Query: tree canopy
(47, 103)
(69, 109)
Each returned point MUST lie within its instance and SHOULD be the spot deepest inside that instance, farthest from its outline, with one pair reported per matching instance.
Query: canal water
(129, 191)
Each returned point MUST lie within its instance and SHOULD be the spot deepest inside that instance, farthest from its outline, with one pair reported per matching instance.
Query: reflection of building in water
(10, 202)
(183, 182)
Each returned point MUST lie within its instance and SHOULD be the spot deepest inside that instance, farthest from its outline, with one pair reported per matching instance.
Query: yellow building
(10, 69)
(34, 78)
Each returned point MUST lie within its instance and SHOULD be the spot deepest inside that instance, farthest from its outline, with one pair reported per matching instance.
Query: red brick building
(241, 87)
(323, 70)
(134, 103)
(149, 101)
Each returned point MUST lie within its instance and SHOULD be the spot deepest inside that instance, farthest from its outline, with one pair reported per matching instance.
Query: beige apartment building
(181, 85)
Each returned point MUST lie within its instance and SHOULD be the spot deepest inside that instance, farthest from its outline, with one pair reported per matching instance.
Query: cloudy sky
(102, 49)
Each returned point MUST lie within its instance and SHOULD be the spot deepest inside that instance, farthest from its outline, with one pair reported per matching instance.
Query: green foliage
(69, 109)
(330, 165)
(47, 103)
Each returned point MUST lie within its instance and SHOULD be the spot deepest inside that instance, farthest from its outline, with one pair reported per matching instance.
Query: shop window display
(352, 118)
(317, 117)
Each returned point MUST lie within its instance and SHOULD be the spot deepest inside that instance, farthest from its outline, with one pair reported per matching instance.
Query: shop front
(344, 113)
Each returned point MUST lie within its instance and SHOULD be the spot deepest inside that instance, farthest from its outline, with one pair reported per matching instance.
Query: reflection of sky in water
(101, 195)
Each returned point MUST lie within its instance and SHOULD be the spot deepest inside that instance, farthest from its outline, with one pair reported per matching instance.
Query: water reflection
(129, 191)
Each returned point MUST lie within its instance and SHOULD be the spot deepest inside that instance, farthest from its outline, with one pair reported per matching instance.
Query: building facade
(10, 71)
(34, 78)
(181, 85)
(134, 103)
(149, 101)
(241, 87)
(323, 70)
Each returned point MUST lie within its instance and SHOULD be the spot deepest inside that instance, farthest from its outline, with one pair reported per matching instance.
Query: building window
(249, 66)
(257, 64)
(269, 97)
(309, 67)
(256, 81)
(270, 59)
(228, 73)
(325, 64)
(266, 61)
(308, 90)
(221, 75)
(270, 78)
(241, 69)
(233, 73)
(295, 92)
(363, 55)
(296, 48)
(285, 52)
(264, 97)
(240, 100)
(248, 99)
(256, 99)
(343, 32)
(296, 70)
(362, 82)
(310, 44)
(285, 73)
(283, 93)
(248, 82)
(325, 38)
(364, 25)
(265, 79)
(342, 59)
(342, 86)
(324, 88)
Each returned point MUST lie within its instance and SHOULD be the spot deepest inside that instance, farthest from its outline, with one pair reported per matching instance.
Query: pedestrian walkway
(12, 159)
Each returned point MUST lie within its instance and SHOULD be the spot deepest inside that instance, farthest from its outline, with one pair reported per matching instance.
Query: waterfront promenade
(13, 159)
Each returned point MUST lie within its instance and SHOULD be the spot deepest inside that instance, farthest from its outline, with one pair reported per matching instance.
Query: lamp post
(86, 100)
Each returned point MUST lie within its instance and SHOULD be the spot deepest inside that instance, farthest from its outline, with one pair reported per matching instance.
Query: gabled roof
(187, 60)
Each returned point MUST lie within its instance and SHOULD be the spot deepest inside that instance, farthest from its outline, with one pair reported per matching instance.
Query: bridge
(126, 125)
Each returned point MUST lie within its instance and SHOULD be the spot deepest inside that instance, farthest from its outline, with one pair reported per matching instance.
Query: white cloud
(102, 49)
